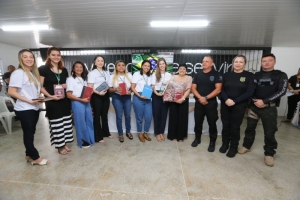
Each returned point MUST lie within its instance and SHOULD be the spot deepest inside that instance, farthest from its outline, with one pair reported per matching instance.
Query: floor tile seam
(47, 184)
(257, 172)
(127, 192)
(186, 190)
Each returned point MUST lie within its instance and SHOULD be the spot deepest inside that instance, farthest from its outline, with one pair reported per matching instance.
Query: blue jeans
(142, 109)
(83, 121)
(122, 103)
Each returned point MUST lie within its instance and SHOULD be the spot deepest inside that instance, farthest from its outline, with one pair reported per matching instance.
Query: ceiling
(125, 23)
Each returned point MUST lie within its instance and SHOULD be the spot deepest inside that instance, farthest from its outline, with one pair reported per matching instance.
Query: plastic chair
(5, 113)
(3, 123)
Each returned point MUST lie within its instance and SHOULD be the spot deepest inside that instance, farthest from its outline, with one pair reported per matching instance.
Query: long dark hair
(83, 74)
(141, 71)
(95, 58)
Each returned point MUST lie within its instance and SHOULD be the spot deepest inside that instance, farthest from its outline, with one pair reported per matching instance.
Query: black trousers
(100, 106)
(232, 118)
(268, 116)
(292, 104)
(29, 119)
(211, 113)
(160, 113)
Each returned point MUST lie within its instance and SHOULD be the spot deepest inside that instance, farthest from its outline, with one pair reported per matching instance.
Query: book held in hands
(102, 87)
(147, 91)
(123, 88)
(86, 92)
(59, 91)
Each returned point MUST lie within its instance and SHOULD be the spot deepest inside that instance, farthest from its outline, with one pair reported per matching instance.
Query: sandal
(129, 135)
(102, 141)
(67, 148)
(158, 138)
(142, 139)
(146, 137)
(110, 137)
(43, 162)
(62, 151)
(121, 138)
(162, 136)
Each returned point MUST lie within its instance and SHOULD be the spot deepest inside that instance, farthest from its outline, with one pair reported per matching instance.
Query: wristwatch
(206, 97)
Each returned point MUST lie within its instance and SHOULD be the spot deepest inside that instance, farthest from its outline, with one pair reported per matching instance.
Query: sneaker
(243, 150)
(269, 160)
(223, 148)
(211, 147)
(85, 145)
(231, 153)
(196, 142)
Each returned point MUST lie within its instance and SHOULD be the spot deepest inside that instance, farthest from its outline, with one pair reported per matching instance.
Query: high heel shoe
(43, 162)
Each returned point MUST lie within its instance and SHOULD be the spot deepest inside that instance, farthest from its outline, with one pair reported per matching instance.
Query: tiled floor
(154, 170)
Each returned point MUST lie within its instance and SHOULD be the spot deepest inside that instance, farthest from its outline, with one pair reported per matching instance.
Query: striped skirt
(61, 131)
(60, 122)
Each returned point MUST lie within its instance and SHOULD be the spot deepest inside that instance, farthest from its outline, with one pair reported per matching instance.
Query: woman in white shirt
(24, 85)
(83, 118)
(100, 99)
(121, 100)
(141, 105)
(159, 107)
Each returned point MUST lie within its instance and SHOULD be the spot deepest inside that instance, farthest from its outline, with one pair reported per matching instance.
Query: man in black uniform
(294, 87)
(206, 86)
(270, 85)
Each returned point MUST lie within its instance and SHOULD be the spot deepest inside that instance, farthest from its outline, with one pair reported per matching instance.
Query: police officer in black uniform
(206, 86)
(270, 85)
(294, 87)
(237, 88)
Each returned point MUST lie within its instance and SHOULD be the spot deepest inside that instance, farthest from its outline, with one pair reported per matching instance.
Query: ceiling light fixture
(195, 51)
(181, 24)
(25, 28)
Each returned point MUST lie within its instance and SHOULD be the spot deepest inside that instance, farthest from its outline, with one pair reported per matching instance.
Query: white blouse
(75, 85)
(140, 81)
(164, 78)
(26, 89)
(97, 77)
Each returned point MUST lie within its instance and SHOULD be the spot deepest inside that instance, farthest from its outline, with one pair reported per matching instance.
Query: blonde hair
(239, 56)
(34, 69)
(116, 75)
(157, 72)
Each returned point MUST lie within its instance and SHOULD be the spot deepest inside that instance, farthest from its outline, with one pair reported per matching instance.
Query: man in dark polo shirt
(270, 86)
(207, 84)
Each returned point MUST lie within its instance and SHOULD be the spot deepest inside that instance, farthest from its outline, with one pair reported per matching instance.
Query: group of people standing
(235, 88)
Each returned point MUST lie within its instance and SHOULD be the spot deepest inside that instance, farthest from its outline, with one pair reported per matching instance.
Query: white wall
(9, 55)
(287, 60)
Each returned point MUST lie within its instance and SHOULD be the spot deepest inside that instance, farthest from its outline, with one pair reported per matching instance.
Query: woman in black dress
(53, 74)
